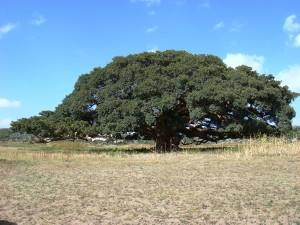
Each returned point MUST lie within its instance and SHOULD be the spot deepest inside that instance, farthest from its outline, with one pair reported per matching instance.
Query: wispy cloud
(7, 28)
(235, 27)
(152, 29)
(292, 27)
(231, 27)
(149, 3)
(238, 59)
(5, 123)
(152, 13)
(219, 25)
(6, 103)
(180, 2)
(205, 4)
(38, 20)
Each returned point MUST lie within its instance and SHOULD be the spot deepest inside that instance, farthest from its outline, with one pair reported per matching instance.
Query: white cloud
(219, 25)
(149, 3)
(290, 25)
(5, 103)
(235, 27)
(152, 29)
(7, 28)
(5, 123)
(152, 13)
(293, 29)
(238, 59)
(39, 20)
(296, 41)
(291, 77)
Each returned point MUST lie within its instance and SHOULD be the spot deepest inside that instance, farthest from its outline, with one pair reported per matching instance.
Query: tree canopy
(166, 96)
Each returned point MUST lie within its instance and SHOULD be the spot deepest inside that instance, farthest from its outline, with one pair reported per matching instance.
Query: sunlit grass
(68, 150)
(255, 182)
(264, 147)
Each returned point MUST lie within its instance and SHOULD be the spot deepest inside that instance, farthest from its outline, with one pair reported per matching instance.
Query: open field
(72, 183)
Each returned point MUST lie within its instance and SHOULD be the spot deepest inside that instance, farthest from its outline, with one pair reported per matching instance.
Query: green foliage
(295, 132)
(51, 125)
(4, 134)
(168, 95)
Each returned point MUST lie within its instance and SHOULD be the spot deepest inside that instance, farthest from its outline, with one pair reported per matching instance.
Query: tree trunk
(168, 127)
(166, 143)
(163, 144)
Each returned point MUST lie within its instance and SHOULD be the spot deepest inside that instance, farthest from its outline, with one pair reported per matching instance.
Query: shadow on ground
(206, 149)
(116, 151)
(211, 149)
(5, 222)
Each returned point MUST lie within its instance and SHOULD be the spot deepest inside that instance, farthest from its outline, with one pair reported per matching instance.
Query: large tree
(168, 95)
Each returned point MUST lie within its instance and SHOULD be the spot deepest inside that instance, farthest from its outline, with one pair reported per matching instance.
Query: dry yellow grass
(264, 147)
(253, 183)
(65, 150)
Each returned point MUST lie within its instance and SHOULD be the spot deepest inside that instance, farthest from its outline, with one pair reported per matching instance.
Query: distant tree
(168, 95)
(39, 126)
(5, 133)
(50, 125)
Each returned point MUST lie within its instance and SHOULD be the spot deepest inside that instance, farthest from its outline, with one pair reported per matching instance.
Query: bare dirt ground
(175, 188)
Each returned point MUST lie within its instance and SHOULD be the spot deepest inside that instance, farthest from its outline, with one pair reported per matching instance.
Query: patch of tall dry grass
(265, 147)
(261, 147)
(18, 155)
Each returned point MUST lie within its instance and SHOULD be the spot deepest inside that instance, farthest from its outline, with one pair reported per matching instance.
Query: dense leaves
(168, 95)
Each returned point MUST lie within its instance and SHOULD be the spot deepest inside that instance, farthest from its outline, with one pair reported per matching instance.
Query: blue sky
(46, 45)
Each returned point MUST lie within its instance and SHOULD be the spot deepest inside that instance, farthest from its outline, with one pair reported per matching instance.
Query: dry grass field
(257, 182)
